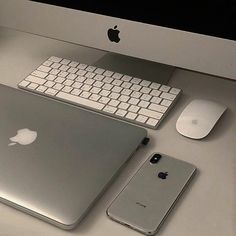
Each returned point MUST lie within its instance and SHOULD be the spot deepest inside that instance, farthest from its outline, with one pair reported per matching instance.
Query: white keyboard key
(117, 82)
(91, 68)
(133, 108)
(174, 91)
(48, 63)
(158, 108)
(54, 71)
(55, 59)
(95, 97)
(108, 73)
(108, 80)
(89, 75)
(86, 87)
(73, 64)
(136, 94)
(99, 71)
(109, 109)
(126, 92)
(126, 85)
(24, 83)
(135, 80)
(35, 79)
(116, 89)
(121, 112)
(64, 68)
(143, 104)
(114, 95)
(149, 113)
(81, 72)
(41, 88)
(32, 86)
(124, 105)
(55, 65)
(104, 92)
(68, 82)
(164, 88)
(166, 103)
(63, 74)
(104, 100)
(76, 92)
(79, 100)
(145, 90)
(98, 84)
(58, 86)
(146, 97)
(152, 122)
(71, 76)
(131, 115)
(77, 85)
(145, 83)
(49, 84)
(80, 79)
(133, 101)
(95, 90)
(141, 119)
(155, 92)
(72, 70)
(114, 103)
(85, 94)
(136, 87)
(65, 62)
(82, 66)
(99, 77)
(126, 78)
(51, 77)
(44, 68)
(58, 79)
(117, 76)
(67, 89)
(107, 86)
(39, 74)
(51, 91)
(156, 100)
(154, 86)
(124, 98)
(89, 81)
(168, 96)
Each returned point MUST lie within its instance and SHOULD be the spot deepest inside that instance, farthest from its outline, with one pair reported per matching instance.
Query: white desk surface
(208, 207)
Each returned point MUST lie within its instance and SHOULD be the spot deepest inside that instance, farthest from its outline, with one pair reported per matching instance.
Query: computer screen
(198, 36)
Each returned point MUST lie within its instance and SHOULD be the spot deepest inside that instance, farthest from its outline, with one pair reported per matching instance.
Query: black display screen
(215, 18)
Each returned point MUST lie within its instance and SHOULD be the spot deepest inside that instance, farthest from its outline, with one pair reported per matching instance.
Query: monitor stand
(136, 67)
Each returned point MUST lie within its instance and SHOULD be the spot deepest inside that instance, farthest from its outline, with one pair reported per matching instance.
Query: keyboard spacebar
(80, 101)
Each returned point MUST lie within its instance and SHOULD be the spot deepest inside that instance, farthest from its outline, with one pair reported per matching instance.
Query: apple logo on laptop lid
(23, 137)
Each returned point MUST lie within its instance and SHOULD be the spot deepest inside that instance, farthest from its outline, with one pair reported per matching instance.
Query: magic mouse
(198, 118)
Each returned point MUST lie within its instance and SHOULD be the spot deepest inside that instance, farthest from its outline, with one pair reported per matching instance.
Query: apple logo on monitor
(113, 34)
(23, 137)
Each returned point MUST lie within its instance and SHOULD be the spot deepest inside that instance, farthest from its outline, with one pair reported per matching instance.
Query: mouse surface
(198, 118)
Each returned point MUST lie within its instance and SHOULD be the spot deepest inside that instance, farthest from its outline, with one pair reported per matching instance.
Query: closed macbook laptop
(57, 159)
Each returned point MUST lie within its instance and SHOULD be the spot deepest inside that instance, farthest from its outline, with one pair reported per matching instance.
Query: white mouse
(198, 118)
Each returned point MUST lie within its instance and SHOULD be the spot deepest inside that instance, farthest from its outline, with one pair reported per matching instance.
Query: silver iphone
(147, 199)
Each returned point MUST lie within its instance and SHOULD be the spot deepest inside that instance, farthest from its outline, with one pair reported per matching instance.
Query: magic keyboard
(122, 96)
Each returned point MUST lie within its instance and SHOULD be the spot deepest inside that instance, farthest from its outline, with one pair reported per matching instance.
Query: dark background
(216, 18)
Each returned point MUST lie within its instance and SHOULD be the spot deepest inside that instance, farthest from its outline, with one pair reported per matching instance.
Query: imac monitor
(199, 37)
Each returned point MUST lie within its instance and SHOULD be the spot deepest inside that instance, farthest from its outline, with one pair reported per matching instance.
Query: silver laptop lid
(56, 159)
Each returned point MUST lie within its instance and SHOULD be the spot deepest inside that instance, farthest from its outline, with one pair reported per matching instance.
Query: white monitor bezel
(182, 49)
